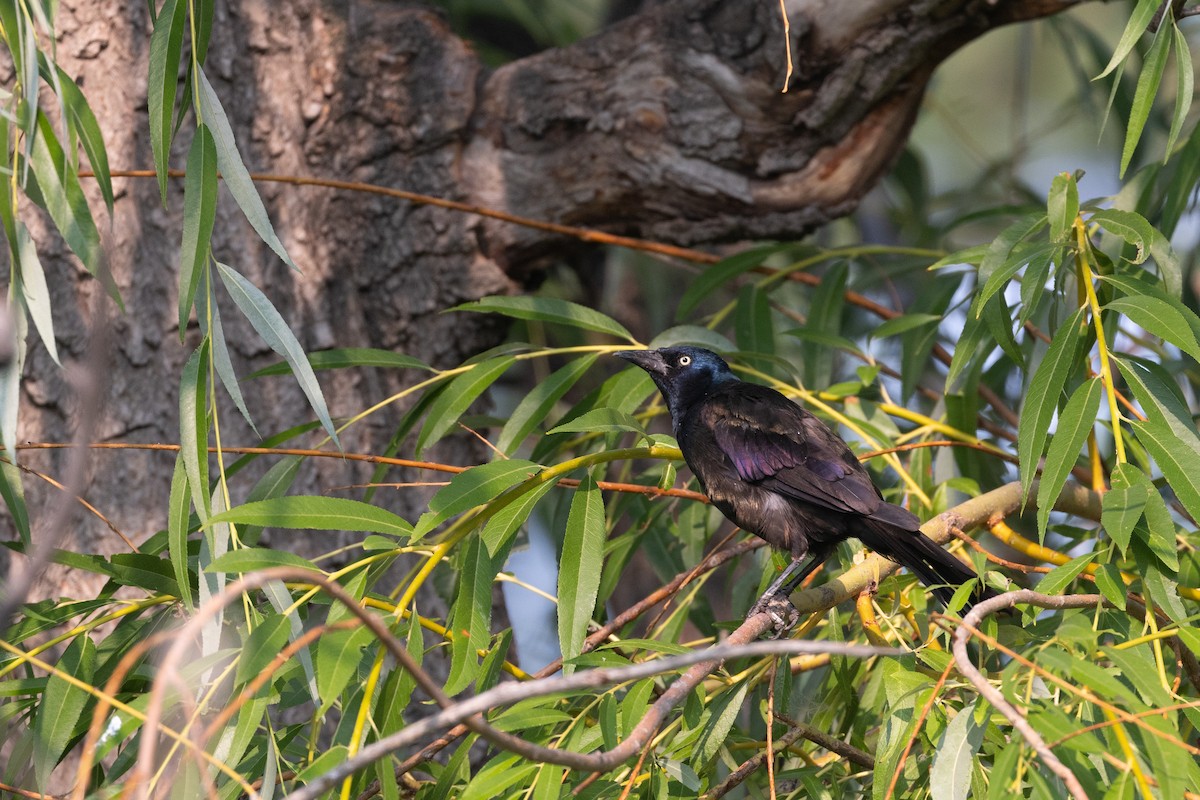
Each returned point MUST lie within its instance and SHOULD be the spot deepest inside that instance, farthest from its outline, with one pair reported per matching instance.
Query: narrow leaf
(452, 403)
(602, 419)
(1062, 206)
(249, 559)
(722, 713)
(473, 487)
(1176, 450)
(579, 569)
(1059, 578)
(1041, 398)
(349, 357)
(720, 275)
(62, 707)
(34, 291)
(314, 512)
(1159, 318)
(1074, 423)
(199, 212)
(166, 43)
(1123, 506)
(1143, 12)
(193, 427)
(1129, 226)
(269, 324)
(177, 530)
(536, 406)
(90, 136)
(1184, 86)
(549, 309)
(1143, 96)
(470, 621)
(233, 169)
(950, 774)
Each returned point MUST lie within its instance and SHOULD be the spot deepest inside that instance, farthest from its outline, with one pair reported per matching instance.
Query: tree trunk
(670, 126)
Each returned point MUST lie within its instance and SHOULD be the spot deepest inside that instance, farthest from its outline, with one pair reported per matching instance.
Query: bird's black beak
(649, 360)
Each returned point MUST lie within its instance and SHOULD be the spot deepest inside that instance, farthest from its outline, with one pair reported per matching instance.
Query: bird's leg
(776, 600)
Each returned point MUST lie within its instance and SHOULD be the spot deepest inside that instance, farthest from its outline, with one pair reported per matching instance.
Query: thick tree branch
(671, 126)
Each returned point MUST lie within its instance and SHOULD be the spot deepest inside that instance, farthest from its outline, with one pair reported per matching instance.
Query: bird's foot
(784, 615)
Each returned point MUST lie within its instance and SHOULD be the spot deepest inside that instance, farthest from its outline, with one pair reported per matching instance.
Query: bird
(777, 471)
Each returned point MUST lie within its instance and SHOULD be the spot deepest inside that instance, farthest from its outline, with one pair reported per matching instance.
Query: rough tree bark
(669, 125)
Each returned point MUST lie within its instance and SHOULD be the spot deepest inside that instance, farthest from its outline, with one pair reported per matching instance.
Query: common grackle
(777, 471)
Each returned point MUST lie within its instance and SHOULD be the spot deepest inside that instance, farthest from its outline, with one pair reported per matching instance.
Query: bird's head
(682, 374)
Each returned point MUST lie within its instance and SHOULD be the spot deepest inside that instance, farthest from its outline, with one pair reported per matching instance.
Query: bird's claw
(784, 615)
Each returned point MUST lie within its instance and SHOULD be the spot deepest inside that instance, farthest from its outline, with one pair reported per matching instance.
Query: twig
(993, 695)
(739, 645)
(799, 730)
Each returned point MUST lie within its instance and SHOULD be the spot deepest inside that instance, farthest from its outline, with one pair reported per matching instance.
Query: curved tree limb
(993, 695)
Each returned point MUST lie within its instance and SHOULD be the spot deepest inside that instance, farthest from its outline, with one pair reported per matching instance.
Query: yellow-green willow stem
(1085, 278)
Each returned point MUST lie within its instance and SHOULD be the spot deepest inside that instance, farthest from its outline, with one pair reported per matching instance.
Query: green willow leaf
(1108, 581)
(199, 213)
(1176, 449)
(178, 519)
(315, 512)
(602, 419)
(63, 707)
(55, 187)
(224, 365)
(1185, 87)
(1143, 12)
(950, 773)
(250, 559)
(536, 406)
(752, 326)
(1147, 89)
(1159, 318)
(549, 309)
(1062, 206)
(193, 427)
(720, 716)
(338, 654)
(1042, 396)
(1074, 423)
(14, 499)
(1128, 225)
(1124, 504)
(346, 357)
(34, 292)
(452, 403)
(474, 487)
(471, 613)
(233, 169)
(84, 123)
(903, 324)
(579, 569)
(166, 44)
(825, 314)
(720, 275)
(261, 646)
(269, 324)
(1059, 578)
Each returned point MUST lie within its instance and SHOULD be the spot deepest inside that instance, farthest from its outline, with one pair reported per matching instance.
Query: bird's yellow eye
(685, 360)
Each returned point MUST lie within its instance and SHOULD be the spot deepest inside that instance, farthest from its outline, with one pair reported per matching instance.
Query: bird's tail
(936, 568)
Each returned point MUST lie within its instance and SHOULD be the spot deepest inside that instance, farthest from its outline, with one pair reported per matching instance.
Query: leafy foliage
(1073, 310)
